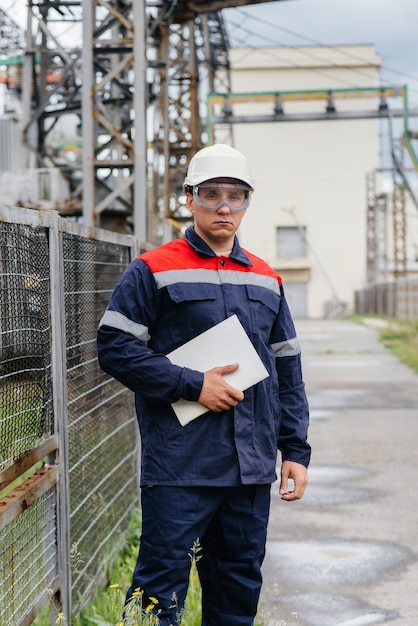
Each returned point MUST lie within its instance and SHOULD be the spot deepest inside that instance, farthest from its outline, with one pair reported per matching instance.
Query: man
(209, 480)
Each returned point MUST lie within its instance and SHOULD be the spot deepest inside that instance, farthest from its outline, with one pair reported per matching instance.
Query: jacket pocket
(194, 309)
(264, 307)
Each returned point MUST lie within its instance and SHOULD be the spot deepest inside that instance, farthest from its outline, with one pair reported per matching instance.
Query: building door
(291, 244)
(296, 297)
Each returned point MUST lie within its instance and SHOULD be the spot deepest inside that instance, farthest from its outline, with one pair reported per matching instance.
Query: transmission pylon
(188, 55)
(377, 210)
(400, 183)
(12, 39)
(134, 75)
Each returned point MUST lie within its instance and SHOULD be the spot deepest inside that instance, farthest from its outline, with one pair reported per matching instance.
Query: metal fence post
(140, 139)
(59, 386)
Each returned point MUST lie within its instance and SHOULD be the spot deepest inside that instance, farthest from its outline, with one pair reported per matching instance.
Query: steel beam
(307, 117)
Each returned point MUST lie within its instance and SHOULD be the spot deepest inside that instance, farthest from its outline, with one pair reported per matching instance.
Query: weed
(135, 614)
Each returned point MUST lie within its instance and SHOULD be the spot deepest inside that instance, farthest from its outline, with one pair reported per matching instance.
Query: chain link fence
(68, 434)
(25, 365)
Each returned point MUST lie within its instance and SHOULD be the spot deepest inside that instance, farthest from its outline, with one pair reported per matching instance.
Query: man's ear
(189, 202)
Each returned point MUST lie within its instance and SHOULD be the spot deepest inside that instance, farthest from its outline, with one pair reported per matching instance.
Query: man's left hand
(299, 474)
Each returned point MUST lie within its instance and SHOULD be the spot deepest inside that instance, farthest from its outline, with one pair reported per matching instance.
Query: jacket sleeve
(122, 342)
(292, 440)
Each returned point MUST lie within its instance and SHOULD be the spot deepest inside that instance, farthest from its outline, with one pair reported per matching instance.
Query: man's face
(217, 225)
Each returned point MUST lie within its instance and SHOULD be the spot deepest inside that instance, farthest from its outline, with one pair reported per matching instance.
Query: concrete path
(347, 554)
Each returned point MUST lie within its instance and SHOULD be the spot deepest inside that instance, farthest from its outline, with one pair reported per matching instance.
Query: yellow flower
(154, 600)
(149, 608)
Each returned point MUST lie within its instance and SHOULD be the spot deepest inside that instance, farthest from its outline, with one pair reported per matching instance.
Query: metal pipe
(308, 117)
(88, 205)
(140, 208)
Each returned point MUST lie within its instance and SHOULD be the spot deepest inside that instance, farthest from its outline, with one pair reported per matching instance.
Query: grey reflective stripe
(290, 347)
(173, 277)
(215, 277)
(119, 321)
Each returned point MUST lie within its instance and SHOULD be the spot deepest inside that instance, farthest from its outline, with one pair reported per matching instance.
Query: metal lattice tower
(381, 237)
(113, 113)
(12, 45)
(189, 53)
(399, 212)
(133, 73)
(12, 39)
(371, 226)
(377, 209)
(52, 80)
(399, 230)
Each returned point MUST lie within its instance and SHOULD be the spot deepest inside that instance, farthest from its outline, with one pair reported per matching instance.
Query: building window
(290, 242)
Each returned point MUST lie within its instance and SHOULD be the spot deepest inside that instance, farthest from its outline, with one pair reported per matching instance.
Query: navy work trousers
(230, 524)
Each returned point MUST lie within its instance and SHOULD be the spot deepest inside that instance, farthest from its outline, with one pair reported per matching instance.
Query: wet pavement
(347, 553)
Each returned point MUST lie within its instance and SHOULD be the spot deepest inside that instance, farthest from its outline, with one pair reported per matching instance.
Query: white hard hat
(218, 161)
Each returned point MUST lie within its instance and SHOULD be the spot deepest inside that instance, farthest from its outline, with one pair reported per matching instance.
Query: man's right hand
(216, 394)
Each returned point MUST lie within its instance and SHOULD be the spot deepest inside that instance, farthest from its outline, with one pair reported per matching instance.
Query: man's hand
(216, 394)
(299, 474)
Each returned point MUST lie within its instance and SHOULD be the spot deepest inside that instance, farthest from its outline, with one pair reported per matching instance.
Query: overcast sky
(390, 25)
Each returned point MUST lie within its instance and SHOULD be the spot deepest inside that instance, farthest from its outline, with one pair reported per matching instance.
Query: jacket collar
(201, 247)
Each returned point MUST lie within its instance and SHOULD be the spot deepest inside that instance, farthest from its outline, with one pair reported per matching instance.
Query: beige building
(308, 215)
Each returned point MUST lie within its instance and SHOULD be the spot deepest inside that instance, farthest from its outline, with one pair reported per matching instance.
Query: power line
(315, 42)
(305, 51)
(293, 64)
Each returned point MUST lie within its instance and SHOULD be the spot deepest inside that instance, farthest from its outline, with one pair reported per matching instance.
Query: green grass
(399, 336)
(21, 404)
(21, 479)
(107, 605)
(402, 339)
(106, 608)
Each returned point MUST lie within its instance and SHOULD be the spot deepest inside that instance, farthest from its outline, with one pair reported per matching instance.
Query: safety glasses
(214, 195)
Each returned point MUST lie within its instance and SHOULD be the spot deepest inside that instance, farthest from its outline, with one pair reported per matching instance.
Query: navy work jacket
(166, 297)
